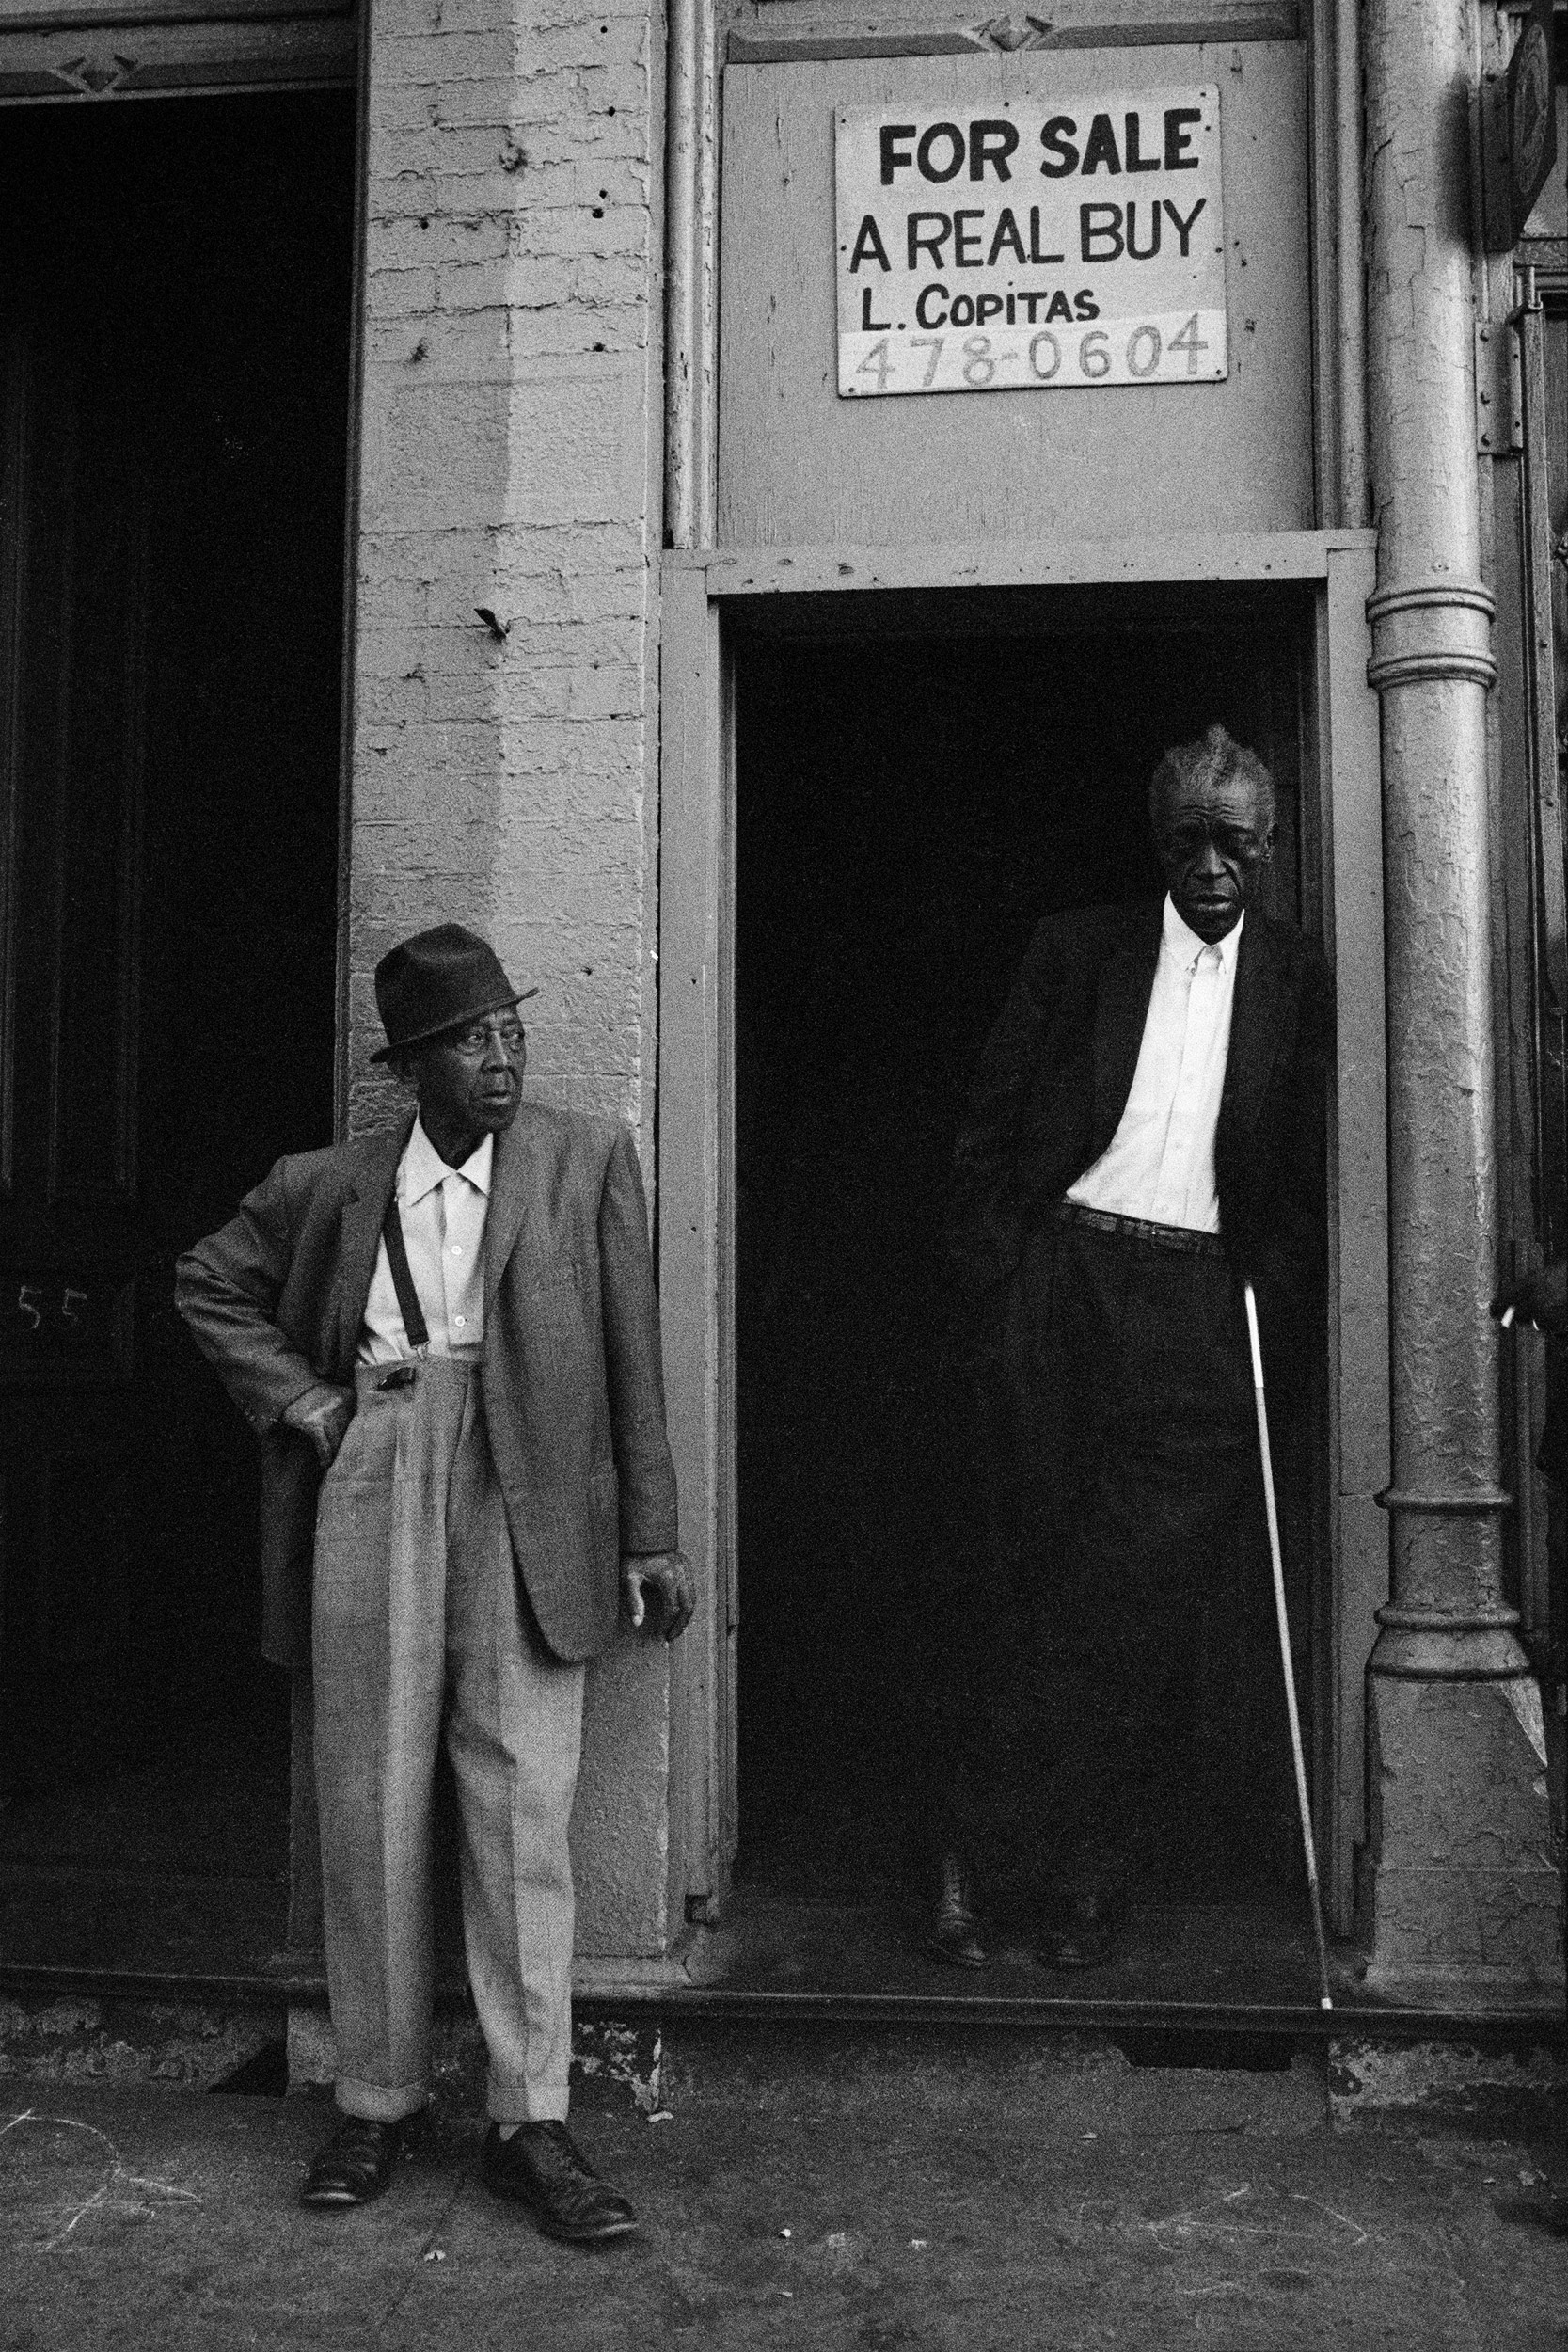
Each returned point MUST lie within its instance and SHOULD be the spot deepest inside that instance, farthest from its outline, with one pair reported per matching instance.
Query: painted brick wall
(511, 452)
(510, 461)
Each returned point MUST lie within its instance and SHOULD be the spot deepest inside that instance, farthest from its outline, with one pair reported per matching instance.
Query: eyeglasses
(510, 1035)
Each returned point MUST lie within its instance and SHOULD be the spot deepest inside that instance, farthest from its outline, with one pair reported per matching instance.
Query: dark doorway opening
(910, 799)
(177, 338)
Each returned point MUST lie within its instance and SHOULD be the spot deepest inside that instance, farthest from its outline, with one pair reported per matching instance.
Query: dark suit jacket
(1058, 1067)
(574, 1391)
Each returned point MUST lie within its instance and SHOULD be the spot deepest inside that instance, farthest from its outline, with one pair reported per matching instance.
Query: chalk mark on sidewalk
(104, 2197)
(1360, 2235)
(1194, 2222)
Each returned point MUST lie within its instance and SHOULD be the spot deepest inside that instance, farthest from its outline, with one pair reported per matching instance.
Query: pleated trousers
(421, 1632)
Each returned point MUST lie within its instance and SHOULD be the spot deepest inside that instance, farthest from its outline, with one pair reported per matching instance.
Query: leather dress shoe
(542, 2167)
(1083, 1932)
(355, 2164)
(954, 1933)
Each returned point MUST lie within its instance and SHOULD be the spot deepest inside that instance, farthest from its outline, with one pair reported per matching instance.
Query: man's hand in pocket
(322, 1414)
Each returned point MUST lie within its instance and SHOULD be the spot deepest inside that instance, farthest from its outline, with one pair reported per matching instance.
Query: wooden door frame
(1524, 1199)
(1342, 823)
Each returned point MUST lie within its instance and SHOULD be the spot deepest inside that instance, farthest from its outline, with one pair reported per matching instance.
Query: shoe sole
(1075, 1964)
(605, 2237)
(339, 2200)
(954, 1960)
(611, 2236)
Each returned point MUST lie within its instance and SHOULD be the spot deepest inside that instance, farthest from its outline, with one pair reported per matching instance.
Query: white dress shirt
(1159, 1163)
(443, 1210)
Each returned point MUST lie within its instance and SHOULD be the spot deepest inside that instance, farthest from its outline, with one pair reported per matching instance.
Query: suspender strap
(402, 1279)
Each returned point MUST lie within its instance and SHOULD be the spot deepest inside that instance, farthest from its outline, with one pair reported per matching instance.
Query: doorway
(913, 792)
(177, 338)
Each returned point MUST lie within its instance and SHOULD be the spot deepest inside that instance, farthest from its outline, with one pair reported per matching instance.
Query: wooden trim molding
(139, 60)
(1279, 555)
(1010, 31)
(690, 231)
(58, 16)
(348, 676)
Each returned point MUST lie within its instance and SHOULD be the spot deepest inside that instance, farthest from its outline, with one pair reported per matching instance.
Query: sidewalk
(989, 2193)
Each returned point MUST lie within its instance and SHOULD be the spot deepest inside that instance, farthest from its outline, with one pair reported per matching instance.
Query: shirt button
(460, 1318)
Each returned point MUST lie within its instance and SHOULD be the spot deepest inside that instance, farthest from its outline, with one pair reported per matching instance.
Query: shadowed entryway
(909, 806)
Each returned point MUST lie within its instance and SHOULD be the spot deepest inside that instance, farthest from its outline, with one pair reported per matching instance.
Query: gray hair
(1214, 758)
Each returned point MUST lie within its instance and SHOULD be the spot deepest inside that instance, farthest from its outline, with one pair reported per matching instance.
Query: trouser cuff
(513, 2103)
(378, 2104)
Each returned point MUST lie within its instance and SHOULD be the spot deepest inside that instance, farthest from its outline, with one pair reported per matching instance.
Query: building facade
(752, 696)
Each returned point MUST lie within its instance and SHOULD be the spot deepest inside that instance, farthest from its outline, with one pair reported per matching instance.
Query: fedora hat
(439, 981)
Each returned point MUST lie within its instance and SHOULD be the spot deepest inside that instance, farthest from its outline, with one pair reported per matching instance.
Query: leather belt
(1181, 1238)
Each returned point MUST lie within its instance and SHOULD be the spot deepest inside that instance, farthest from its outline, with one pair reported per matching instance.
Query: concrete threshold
(1194, 1986)
(605, 1997)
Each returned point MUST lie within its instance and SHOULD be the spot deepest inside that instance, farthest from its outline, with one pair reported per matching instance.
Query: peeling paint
(1524, 1696)
(622, 2058)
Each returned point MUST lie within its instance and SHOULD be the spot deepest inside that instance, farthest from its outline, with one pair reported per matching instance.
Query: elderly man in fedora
(447, 1337)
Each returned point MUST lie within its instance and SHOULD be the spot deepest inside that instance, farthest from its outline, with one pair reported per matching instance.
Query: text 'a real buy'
(971, 237)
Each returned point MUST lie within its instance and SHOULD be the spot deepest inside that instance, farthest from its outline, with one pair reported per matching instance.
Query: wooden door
(74, 609)
(176, 341)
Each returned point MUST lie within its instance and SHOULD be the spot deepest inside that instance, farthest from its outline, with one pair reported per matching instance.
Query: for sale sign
(1031, 244)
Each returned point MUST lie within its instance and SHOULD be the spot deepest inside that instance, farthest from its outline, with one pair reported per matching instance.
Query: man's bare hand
(322, 1414)
(1541, 1298)
(659, 1593)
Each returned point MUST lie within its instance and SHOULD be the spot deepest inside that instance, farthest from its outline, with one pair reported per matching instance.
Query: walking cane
(1326, 1999)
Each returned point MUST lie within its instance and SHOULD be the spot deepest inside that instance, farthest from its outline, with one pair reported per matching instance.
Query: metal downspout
(1460, 1882)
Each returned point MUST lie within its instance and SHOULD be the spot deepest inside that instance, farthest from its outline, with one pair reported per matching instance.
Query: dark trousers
(1126, 1502)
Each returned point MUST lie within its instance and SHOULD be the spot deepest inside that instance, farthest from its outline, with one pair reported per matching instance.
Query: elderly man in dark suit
(1144, 1133)
(447, 1337)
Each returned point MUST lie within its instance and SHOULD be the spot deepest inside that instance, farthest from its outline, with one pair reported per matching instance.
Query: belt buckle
(401, 1376)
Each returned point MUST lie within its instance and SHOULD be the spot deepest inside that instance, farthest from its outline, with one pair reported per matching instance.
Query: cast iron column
(1463, 1894)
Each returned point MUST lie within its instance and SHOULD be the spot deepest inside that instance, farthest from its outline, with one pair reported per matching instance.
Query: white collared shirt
(1159, 1163)
(443, 1210)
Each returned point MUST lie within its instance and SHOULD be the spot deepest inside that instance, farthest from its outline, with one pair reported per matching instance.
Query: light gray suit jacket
(574, 1389)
